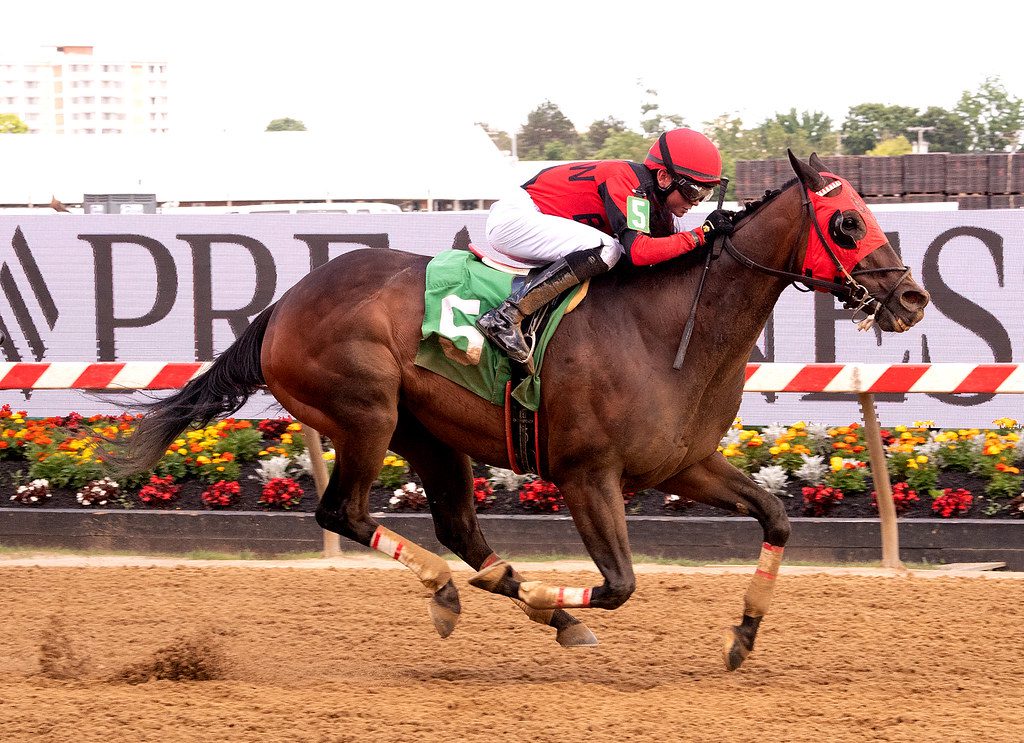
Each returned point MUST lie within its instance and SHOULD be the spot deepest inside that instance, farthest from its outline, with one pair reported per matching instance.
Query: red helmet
(685, 152)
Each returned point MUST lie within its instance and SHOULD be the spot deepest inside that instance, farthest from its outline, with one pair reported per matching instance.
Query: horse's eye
(850, 224)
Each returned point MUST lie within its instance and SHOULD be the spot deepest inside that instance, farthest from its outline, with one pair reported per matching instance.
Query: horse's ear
(807, 175)
(816, 162)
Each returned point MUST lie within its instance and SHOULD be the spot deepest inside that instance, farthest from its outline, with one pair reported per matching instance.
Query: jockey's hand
(719, 222)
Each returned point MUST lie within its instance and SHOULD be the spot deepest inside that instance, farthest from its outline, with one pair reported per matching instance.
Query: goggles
(692, 191)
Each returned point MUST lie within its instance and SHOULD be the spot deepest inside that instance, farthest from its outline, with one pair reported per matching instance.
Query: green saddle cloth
(460, 288)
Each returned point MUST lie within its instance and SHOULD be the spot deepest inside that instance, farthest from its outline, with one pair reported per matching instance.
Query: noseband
(850, 292)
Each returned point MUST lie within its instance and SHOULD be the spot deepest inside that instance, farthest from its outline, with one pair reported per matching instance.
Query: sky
(237, 65)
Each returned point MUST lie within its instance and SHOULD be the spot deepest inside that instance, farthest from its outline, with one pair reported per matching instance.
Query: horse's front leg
(595, 502)
(716, 482)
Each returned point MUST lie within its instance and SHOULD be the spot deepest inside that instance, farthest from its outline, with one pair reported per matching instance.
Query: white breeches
(517, 228)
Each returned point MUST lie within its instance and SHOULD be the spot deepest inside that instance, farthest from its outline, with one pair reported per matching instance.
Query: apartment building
(70, 90)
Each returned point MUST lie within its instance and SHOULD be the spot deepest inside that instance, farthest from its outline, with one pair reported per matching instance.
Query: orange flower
(227, 456)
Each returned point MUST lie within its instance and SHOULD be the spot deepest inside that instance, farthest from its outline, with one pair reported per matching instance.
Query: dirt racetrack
(350, 655)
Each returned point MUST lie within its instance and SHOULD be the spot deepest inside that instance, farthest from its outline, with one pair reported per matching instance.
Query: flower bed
(816, 470)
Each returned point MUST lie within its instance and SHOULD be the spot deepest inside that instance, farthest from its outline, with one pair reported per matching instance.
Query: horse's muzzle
(903, 310)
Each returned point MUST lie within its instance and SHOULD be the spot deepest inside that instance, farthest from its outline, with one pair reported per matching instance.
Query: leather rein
(850, 292)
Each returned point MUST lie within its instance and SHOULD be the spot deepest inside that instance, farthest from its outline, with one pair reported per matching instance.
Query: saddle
(461, 285)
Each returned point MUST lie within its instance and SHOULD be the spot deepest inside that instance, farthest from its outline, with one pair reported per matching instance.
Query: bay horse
(337, 352)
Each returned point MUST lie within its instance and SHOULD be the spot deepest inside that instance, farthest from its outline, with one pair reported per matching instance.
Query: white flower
(771, 433)
(269, 469)
(773, 479)
(409, 487)
(813, 469)
(732, 436)
(820, 441)
(503, 479)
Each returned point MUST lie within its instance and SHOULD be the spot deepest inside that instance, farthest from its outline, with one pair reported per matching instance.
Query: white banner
(180, 288)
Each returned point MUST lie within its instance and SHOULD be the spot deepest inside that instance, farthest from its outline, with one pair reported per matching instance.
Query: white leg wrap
(759, 593)
(428, 567)
(542, 596)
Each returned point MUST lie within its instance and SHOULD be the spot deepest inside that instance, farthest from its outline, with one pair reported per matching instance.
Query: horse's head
(848, 253)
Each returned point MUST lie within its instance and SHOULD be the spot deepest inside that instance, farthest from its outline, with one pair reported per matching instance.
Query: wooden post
(332, 541)
(883, 488)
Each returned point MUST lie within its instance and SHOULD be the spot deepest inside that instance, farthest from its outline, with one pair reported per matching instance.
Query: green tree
(11, 124)
(625, 145)
(993, 117)
(867, 124)
(286, 125)
(546, 125)
(598, 133)
(950, 133)
(652, 121)
(895, 146)
(501, 139)
(814, 128)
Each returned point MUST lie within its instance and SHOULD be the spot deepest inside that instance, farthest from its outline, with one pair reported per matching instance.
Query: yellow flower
(836, 463)
(912, 465)
(183, 452)
(922, 459)
(774, 450)
(799, 425)
(329, 456)
(220, 469)
(900, 429)
(1004, 423)
(294, 426)
(202, 460)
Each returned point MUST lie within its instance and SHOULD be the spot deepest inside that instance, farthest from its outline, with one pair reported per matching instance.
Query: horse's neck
(736, 301)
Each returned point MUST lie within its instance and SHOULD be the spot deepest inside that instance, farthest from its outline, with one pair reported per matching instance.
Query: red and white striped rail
(775, 377)
(872, 378)
(74, 375)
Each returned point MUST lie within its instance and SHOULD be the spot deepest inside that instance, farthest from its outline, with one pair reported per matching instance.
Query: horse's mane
(749, 207)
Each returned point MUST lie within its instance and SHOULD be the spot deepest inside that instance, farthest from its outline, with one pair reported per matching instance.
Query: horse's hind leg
(716, 482)
(360, 441)
(447, 478)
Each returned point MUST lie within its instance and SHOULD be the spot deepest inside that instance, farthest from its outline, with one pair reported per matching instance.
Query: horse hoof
(735, 650)
(490, 577)
(445, 609)
(576, 636)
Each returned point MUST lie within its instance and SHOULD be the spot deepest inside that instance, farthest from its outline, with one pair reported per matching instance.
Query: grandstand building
(69, 90)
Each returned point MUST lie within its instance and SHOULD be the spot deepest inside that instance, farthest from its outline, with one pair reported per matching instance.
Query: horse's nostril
(913, 300)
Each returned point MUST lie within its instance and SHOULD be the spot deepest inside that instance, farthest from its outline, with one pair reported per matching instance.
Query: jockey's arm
(644, 250)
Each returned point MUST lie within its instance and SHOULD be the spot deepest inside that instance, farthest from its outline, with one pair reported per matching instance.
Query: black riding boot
(503, 324)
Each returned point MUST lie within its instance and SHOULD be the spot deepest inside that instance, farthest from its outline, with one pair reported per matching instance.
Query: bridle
(850, 292)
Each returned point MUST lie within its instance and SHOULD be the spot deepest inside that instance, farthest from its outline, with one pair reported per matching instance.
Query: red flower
(221, 494)
(952, 502)
(159, 490)
(281, 492)
(483, 493)
(540, 495)
(902, 497)
(819, 500)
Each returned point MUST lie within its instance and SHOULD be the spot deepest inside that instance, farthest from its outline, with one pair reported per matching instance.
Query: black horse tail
(219, 391)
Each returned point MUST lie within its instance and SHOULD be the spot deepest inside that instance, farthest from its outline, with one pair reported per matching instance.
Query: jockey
(579, 219)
